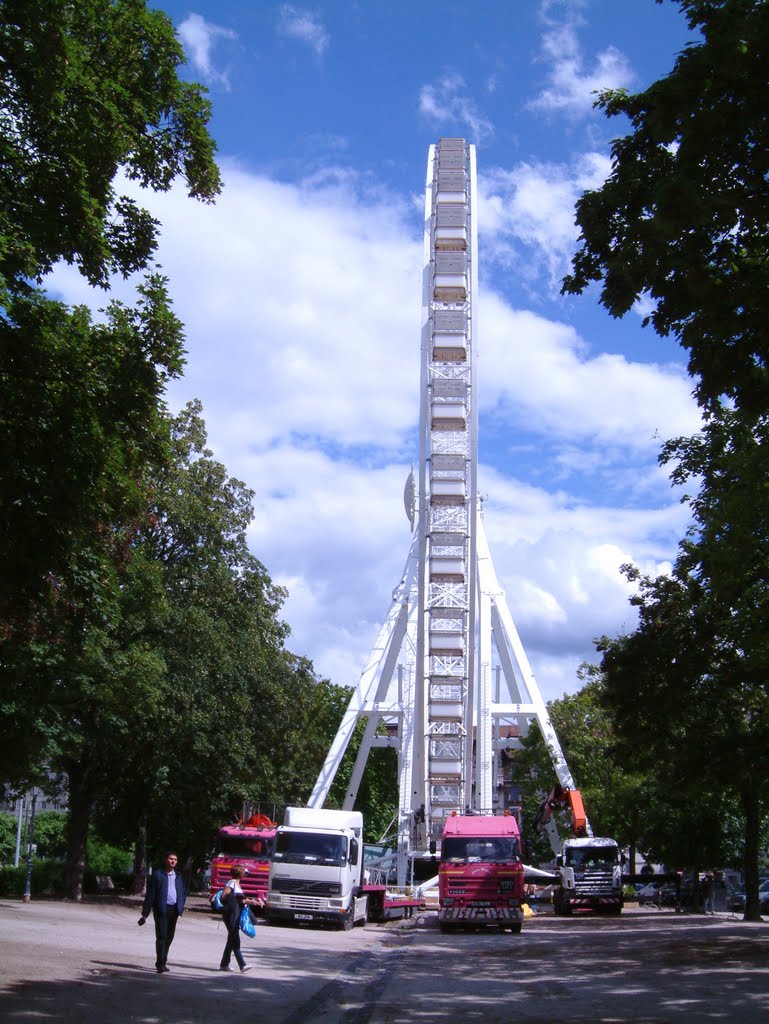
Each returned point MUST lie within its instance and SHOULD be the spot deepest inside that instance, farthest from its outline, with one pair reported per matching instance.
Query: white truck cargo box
(321, 817)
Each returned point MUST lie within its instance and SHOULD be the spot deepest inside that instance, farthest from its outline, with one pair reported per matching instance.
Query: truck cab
(480, 877)
(316, 869)
(247, 845)
(590, 871)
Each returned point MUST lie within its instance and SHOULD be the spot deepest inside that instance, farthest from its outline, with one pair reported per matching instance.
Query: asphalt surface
(63, 962)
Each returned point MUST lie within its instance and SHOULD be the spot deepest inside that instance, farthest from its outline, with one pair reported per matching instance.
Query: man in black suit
(165, 897)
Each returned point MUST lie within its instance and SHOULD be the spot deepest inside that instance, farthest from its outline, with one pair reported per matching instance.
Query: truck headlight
(447, 902)
(336, 904)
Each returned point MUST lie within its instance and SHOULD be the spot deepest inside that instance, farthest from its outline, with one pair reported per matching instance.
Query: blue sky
(301, 294)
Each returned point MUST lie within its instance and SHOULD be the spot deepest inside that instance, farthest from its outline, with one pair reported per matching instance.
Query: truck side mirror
(559, 860)
(433, 846)
(354, 849)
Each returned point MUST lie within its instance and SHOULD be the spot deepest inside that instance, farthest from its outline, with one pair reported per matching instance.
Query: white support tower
(448, 667)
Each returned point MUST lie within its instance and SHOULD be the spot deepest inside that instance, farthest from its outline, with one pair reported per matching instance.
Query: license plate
(303, 917)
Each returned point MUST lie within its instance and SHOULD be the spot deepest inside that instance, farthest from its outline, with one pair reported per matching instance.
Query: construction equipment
(588, 867)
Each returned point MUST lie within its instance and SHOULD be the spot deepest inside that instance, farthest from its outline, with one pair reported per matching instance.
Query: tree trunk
(751, 809)
(80, 806)
(139, 882)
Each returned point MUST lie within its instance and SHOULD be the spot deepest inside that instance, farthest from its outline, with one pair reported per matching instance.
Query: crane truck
(588, 867)
(480, 876)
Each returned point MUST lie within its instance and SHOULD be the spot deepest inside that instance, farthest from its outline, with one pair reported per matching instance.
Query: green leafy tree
(203, 740)
(683, 219)
(684, 704)
(683, 222)
(7, 838)
(88, 90)
(89, 96)
(51, 835)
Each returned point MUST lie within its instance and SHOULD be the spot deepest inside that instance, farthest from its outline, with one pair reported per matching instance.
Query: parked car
(737, 900)
(649, 893)
(669, 896)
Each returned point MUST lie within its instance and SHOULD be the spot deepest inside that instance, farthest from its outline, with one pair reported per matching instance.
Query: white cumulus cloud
(199, 38)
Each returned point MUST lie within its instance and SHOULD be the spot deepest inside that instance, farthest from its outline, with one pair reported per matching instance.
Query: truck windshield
(490, 849)
(252, 847)
(310, 848)
(591, 856)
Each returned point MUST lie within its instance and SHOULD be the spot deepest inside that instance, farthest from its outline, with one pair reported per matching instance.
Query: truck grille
(306, 887)
(595, 883)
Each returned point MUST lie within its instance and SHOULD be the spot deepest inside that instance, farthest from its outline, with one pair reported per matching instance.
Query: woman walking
(233, 901)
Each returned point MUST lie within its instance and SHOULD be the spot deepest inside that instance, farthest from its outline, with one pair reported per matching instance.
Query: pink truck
(247, 845)
(480, 878)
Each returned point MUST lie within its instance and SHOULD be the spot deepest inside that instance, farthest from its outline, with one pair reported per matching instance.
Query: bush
(104, 859)
(47, 879)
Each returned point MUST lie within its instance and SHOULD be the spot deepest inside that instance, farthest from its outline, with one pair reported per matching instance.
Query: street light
(30, 841)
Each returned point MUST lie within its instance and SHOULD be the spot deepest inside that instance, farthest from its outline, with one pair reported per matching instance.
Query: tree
(688, 707)
(612, 794)
(683, 222)
(683, 219)
(197, 735)
(89, 96)
(89, 91)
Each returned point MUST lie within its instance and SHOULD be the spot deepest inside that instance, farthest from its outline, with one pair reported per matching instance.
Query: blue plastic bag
(216, 901)
(246, 923)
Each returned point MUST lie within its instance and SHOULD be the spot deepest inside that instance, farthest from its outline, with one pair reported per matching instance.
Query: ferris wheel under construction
(447, 673)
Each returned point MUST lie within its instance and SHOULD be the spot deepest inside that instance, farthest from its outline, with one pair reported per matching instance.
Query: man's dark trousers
(165, 928)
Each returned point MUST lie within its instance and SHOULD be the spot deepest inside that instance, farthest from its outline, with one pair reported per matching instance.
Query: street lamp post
(30, 841)
(18, 831)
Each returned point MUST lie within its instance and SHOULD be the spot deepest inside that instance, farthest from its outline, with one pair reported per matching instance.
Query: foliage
(683, 219)
(8, 827)
(50, 835)
(90, 96)
(89, 91)
(73, 483)
(104, 859)
(46, 879)
(585, 732)
(233, 717)
(683, 222)
(684, 706)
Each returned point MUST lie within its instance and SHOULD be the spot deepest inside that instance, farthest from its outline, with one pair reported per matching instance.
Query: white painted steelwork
(435, 676)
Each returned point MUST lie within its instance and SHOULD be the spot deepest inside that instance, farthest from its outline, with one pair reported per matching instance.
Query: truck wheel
(347, 922)
(516, 928)
(445, 928)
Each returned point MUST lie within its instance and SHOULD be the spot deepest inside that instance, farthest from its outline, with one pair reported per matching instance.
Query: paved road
(84, 963)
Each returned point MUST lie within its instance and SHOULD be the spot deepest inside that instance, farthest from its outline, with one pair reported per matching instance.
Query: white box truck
(316, 868)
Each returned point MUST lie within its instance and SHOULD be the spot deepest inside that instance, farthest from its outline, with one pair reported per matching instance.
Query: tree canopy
(90, 90)
(90, 96)
(682, 224)
(683, 219)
